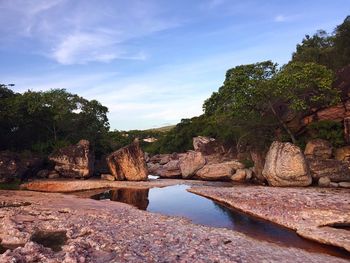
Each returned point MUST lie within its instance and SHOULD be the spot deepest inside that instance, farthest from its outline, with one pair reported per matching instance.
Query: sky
(151, 62)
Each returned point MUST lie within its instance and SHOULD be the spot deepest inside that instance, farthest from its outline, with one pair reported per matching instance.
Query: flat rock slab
(105, 231)
(67, 185)
(314, 213)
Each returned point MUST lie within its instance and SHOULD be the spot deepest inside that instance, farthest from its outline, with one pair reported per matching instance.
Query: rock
(324, 181)
(128, 163)
(285, 165)
(336, 113)
(8, 166)
(240, 175)
(337, 171)
(101, 166)
(191, 163)
(75, 161)
(153, 168)
(342, 154)
(43, 173)
(332, 184)
(249, 173)
(14, 166)
(199, 141)
(218, 171)
(318, 148)
(344, 184)
(208, 146)
(147, 157)
(107, 177)
(53, 175)
(170, 170)
(258, 158)
(165, 159)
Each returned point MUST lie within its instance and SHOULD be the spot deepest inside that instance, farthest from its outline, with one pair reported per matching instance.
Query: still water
(176, 201)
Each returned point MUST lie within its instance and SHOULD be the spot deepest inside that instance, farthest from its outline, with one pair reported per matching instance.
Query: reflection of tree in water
(135, 197)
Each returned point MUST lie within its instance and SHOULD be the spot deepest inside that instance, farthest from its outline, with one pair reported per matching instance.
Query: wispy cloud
(75, 32)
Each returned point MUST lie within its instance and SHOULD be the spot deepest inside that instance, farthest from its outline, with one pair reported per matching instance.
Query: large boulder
(285, 165)
(191, 163)
(74, 161)
(218, 171)
(318, 148)
(128, 163)
(336, 171)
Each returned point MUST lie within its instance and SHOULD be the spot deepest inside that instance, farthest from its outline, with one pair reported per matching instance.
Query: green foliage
(328, 130)
(14, 185)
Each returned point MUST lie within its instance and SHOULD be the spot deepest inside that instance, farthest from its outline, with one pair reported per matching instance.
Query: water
(176, 201)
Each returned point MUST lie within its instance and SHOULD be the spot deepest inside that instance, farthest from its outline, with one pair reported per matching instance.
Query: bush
(328, 130)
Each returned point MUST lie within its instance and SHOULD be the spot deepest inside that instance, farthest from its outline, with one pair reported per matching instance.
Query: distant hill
(162, 129)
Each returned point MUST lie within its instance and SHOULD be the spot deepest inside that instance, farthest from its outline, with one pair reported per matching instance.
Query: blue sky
(153, 62)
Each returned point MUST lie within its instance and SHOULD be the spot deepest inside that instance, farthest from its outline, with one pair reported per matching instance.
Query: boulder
(318, 148)
(170, 170)
(199, 141)
(258, 157)
(191, 163)
(14, 166)
(107, 177)
(208, 146)
(43, 173)
(74, 161)
(344, 184)
(9, 165)
(240, 175)
(53, 175)
(335, 170)
(332, 184)
(218, 171)
(165, 159)
(285, 165)
(342, 154)
(128, 163)
(153, 168)
(324, 182)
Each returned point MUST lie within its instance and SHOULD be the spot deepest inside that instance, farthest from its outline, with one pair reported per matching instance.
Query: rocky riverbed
(74, 229)
(319, 214)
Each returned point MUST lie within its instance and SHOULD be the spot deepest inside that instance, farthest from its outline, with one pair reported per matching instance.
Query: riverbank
(319, 214)
(102, 231)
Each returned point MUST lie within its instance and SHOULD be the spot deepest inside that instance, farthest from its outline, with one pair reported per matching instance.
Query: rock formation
(191, 163)
(74, 161)
(128, 163)
(318, 148)
(219, 171)
(286, 166)
(336, 171)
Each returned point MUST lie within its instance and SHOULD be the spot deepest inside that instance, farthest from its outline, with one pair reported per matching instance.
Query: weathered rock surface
(199, 142)
(114, 232)
(309, 211)
(335, 170)
(342, 154)
(107, 177)
(240, 175)
(128, 163)
(285, 165)
(318, 148)
(191, 163)
(75, 161)
(219, 171)
(170, 170)
(258, 158)
(324, 182)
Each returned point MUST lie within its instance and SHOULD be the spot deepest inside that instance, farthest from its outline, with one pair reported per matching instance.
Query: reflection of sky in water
(176, 201)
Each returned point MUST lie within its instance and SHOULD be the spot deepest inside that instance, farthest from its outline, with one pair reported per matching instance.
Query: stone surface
(318, 148)
(258, 157)
(218, 171)
(336, 170)
(324, 182)
(74, 161)
(240, 175)
(53, 175)
(344, 184)
(170, 170)
(309, 211)
(191, 163)
(107, 177)
(342, 154)
(285, 165)
(43, 173)
(332, 184)
(128, 163)
(199, 141)
(104, 231)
